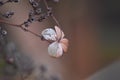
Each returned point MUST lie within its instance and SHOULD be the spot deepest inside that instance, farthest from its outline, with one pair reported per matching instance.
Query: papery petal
(64, 43)
(59, 32)
(55, 49)
(49, 34)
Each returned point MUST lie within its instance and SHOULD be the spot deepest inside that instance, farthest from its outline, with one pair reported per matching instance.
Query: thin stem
(27, 30)
(21, 27)
(46, 4)
(53, 17)
(14, 25)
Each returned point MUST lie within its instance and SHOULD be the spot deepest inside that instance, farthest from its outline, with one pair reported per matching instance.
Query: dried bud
(38, 11)
(8, 14)
(31, 13)
(34, 3)
(31, 19)
(3, 32)
(26, 23)
(42, 17)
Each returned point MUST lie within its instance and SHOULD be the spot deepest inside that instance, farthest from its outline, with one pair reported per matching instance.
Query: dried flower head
(59, 43)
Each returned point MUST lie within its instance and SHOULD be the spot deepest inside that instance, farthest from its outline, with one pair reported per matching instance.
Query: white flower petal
(55, 49)
(49, 34)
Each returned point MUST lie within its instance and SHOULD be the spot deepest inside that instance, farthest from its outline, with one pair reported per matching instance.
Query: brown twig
(46, 4)
(21, 27)
(53, 17)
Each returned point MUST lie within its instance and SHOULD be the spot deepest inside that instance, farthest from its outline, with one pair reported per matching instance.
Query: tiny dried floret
(34, 3)
(31, 19)
(42, 17)
(31, 13)
(8, 14)
(38, 10)
(56, 0)
(26, 23)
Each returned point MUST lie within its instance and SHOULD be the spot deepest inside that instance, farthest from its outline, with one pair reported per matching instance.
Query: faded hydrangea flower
(59, 44)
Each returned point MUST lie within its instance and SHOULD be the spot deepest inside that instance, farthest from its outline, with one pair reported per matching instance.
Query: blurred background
(93, 30)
